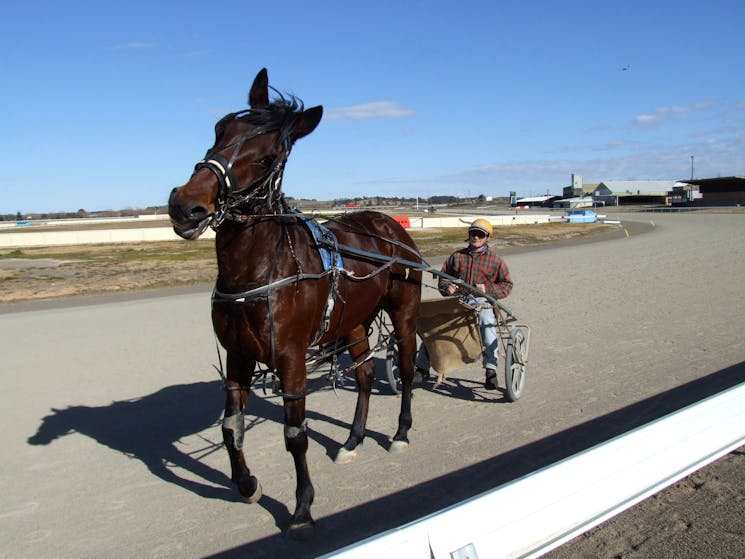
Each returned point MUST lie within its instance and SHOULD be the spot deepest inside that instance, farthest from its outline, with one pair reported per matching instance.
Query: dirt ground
(73, 496)
(699, 516)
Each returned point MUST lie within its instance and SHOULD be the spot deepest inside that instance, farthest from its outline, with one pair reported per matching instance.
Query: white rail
(541, 511)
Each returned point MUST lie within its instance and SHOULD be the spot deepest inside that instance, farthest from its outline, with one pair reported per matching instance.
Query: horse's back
(396, 286)
(369, 230)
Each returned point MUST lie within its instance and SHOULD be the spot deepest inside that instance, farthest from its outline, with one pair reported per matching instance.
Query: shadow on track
(148, 429)
(355, 524)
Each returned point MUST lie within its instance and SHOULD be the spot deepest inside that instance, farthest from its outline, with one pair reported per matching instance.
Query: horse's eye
(267, 162)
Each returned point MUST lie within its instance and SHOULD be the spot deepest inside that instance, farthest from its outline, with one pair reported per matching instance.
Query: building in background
(720, 191)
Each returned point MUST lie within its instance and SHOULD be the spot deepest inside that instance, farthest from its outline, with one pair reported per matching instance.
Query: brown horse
(275, 296)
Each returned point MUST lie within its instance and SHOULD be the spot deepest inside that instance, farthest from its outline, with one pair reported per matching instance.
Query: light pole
(690, 190)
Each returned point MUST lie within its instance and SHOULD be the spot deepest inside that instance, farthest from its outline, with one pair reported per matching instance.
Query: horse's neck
(246, 252)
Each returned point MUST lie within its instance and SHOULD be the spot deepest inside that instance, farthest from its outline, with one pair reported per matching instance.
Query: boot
(421, 375)
(491, 379)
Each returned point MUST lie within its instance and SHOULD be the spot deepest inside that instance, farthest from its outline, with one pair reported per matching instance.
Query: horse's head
(242, 173)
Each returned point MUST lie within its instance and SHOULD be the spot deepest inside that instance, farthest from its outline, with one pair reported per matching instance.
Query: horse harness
(333, 265)
(330, 253)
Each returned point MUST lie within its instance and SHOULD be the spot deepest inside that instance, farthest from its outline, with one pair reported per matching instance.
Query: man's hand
(481, 287)
(451, 289)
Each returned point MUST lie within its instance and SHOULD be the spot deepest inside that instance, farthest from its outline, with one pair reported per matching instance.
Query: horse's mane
(280, 115)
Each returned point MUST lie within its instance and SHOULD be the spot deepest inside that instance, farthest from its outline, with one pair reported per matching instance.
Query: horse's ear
(258, 97)
(307, 122)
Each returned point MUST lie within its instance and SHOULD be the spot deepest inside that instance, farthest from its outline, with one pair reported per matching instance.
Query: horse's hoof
(255, 496)
(301, 531)
(345, 456)
(398, 447)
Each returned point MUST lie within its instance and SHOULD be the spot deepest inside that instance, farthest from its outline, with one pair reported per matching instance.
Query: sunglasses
(476, 233)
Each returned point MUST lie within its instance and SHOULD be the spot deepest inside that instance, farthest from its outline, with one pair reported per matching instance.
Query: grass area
(47, 272)
(439, 242)
(125, 252)
(431, 242)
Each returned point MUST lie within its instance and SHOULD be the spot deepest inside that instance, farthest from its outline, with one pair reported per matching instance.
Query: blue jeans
(487, 328)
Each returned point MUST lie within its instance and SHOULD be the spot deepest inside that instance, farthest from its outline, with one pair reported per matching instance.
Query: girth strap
(262, 291)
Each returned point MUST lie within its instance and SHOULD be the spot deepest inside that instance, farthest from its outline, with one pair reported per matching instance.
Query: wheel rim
(392, 370)
(517, 364)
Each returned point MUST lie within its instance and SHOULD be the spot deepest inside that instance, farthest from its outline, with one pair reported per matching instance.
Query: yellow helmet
(483, 225)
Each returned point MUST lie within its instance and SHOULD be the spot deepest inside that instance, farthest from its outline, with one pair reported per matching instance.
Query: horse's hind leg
(404, 324)
(365, 375)
(239, 374)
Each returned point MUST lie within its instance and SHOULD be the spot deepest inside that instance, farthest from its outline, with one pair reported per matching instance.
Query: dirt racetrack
(111, 410)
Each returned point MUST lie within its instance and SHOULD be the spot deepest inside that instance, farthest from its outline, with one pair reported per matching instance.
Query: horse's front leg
(365, 376)
(294, 384)
(239, 373)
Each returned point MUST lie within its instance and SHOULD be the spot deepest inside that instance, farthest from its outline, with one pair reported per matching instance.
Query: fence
(541, 511)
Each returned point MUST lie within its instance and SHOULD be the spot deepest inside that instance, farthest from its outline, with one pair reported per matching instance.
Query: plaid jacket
(478, 267)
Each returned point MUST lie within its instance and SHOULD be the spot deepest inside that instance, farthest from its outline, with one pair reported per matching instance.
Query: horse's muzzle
(189, 219)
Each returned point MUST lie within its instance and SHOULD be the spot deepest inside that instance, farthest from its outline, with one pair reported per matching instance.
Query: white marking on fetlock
(398, 446)
(345, 456)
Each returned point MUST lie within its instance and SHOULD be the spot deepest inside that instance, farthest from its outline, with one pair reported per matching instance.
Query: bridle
(231, 197)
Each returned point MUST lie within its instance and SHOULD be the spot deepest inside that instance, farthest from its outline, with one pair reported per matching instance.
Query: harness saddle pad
(450, 332)
(323, 238)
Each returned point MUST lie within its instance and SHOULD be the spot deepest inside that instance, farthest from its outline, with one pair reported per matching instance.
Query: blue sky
(109, 105)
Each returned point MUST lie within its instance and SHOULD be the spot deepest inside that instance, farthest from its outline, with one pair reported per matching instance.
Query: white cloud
(663, 114)
(369, 111)
(724, 157)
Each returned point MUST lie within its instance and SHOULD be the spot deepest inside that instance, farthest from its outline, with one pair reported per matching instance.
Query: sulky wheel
(391, 367)
(515, 364)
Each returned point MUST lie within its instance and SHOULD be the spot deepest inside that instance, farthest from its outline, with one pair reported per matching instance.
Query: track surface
(110, 411)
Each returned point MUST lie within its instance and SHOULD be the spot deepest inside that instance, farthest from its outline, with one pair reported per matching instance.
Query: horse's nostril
(198, 212)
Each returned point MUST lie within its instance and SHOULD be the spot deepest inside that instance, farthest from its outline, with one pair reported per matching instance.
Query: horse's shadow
(150, 427)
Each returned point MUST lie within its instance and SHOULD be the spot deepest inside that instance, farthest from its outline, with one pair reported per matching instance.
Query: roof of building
(731, 182)
(641, 187)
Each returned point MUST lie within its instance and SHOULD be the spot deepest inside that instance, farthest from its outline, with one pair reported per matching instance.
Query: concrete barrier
(90, 236)
(538, 513)
(465, 220)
